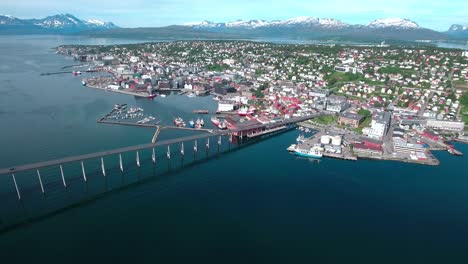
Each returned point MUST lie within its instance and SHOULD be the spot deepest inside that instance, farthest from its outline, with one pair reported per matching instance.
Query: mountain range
(294, 28)
(58, 24)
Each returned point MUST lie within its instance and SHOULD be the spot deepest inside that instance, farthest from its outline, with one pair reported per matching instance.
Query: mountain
(393, 22)
(56, 24)
(458, 31)
(10, 20)
(322, 28)
(253, 24)
(298, 28)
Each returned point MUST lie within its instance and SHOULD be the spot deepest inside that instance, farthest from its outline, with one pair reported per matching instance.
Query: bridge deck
(144, 146)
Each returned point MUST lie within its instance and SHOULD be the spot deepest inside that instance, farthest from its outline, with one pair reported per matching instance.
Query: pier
(63, 72)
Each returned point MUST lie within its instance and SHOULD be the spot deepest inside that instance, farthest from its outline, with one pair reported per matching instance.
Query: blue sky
(438, 15)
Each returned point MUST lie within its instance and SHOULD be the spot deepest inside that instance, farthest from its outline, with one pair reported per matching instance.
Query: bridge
(59, 183)
(266, 128)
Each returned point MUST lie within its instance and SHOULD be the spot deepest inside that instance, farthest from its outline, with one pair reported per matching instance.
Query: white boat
(291, 148)
(313, 152)
(300, 139)
(191, 95)
(162, 95)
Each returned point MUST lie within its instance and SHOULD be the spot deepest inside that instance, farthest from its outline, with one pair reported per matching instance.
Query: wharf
(110, 122)
(143, 95)
(340, 156)
(189, 129)
(265, 132)
(430, 161)
(63, 72)
(205, 112)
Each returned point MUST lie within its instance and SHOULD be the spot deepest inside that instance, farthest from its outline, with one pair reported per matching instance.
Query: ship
(244, 111)
(199, 123)
(291, 148)
(313, 152)
(179, 122)
(222, 125)
(215, 121)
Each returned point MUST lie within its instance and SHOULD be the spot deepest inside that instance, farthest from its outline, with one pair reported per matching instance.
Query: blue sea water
(257, 204)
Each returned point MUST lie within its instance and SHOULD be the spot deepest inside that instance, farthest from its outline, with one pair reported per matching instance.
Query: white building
(445, 125)
(379, 126)
(226, 106)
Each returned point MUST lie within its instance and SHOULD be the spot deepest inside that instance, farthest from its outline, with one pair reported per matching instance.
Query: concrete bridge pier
(16, 186)
(63, 176)
(121, 163)
(40, 181)
(84, 172)
(103, 167)
(138, 159)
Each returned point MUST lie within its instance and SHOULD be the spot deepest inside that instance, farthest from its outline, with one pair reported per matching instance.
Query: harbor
(338, 143)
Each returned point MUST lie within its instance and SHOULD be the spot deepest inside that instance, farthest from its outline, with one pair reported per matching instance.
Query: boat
(75, 73)
(215, 121)
(291, 148)
(162, 95)
(83, 82)
(191, 124)
(144, 121)
(191, 95)
(222, 125)
(244, 111)
(179, 122)
(313, 152)
(198, 124)
(300, 139)
(151, 96)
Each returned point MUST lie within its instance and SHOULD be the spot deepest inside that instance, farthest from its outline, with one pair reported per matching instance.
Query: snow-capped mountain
(10, 20)
(458, 31)
(70, 21)
(61, 23)
(458, 27)
(253, 24)
(393, 22)
(313, 27)
(100, 23)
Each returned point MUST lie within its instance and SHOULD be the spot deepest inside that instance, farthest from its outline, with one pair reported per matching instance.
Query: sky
(437, 15)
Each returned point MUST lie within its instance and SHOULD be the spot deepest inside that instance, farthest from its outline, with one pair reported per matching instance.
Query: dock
(111, 122)
(143, 95)
(265, 132)
(339, 156)
(205, 112)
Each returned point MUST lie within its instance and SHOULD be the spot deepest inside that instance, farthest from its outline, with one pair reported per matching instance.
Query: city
(381, 102)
